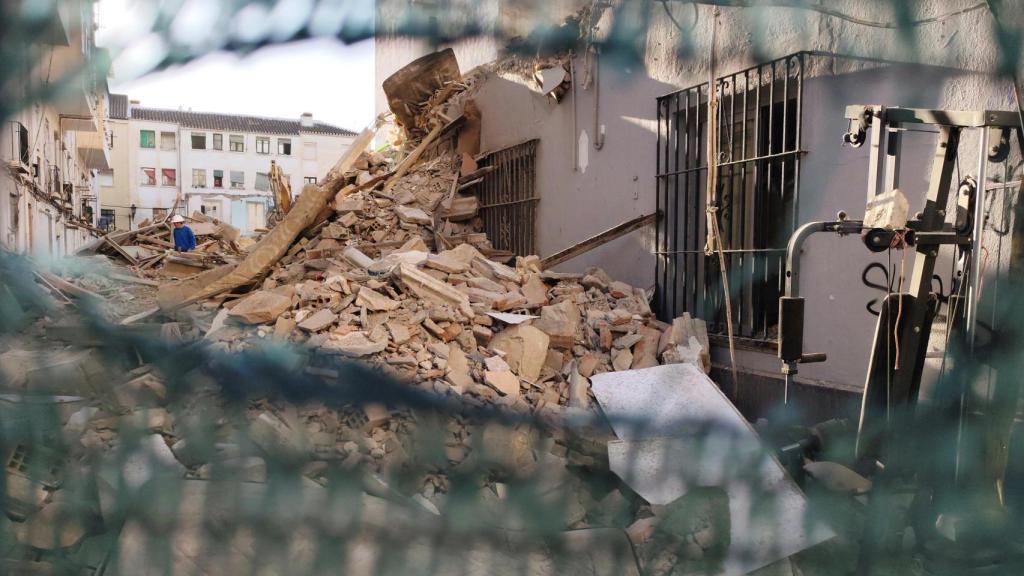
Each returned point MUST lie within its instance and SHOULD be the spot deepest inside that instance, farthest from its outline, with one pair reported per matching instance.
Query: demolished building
(629, 139)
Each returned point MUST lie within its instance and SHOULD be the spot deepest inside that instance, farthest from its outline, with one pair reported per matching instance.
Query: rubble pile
(397, 272)
(458, 322)
(421, 204)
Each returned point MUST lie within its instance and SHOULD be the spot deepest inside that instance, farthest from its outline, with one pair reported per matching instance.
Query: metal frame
(759, 132)
(508, 198)
(891, 387)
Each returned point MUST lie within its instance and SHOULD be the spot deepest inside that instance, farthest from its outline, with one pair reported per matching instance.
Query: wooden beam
(67, 287)
(117, 247)
(154, 240)
(598, 240)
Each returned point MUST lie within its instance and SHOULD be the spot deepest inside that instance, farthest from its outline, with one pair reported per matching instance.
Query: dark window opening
(107, 219)
(758, 125)
(508, 198)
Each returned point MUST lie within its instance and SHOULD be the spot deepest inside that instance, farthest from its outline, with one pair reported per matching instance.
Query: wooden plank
(476, 175)
(123, 236)
(56, 291)
(67, 287)
(149, 263)
(470, 184)
(598, 240)
(117, 248)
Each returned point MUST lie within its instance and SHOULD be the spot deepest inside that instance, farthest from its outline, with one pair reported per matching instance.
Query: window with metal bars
(758, 159)
(508, 199)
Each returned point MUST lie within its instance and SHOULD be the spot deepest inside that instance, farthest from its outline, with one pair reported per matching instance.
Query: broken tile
(645, 353)
(619, 289)
(496, 363)
(427, 287)
(374, 300)
(355, 344)
(261, 307)
(588, 362)
(622, 360)
(413, 215)
(321, 320)
(283, 327)
(445, 264)
(525, 349)
(559, 322)
(505, 382)
(535, 291)
(400, 333)
(457, 370)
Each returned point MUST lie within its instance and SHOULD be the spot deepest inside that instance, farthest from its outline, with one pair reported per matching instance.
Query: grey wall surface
(613, 185)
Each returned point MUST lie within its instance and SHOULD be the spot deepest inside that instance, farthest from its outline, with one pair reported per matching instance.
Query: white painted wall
(28, 222)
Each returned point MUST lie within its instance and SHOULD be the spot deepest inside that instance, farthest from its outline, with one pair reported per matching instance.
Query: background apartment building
(214, 163)
(52, 148)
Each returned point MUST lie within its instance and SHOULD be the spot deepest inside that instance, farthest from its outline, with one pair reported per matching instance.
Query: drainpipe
(575, 127)
(598, 130)
(181, 172)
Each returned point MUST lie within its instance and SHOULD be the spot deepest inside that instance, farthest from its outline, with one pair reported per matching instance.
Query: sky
(331, 80)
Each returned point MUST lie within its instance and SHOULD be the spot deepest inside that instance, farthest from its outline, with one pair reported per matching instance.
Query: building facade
(610, 151)
(217, 164)
(53, 148)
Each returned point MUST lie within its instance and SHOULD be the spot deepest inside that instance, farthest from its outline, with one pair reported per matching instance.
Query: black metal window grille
(508, 199)
(758, 129)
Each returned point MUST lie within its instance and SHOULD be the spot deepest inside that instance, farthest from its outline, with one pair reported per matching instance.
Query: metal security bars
(508, 200)
(758, 127)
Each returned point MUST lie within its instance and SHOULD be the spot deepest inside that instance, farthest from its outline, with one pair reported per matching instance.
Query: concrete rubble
(397, 272)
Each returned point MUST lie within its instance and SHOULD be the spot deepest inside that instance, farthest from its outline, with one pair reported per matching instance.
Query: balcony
(93, 149)
(92, 139)
(14, 146)
(73, 64)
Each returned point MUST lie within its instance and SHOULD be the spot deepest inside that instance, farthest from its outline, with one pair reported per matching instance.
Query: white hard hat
(177, 218)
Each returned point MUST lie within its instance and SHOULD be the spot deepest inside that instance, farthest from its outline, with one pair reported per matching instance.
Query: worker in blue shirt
(184, 239)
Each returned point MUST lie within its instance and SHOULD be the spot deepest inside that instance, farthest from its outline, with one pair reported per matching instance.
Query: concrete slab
(677, 432)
